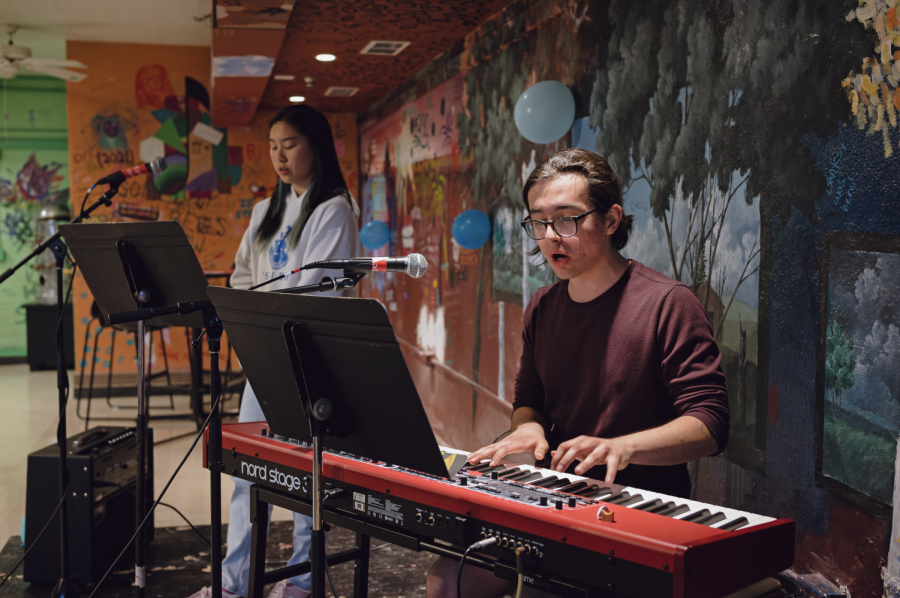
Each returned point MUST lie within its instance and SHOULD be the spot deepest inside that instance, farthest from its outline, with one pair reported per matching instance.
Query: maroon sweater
(636, 357)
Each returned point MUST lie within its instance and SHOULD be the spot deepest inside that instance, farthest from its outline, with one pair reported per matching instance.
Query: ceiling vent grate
(384, 48)
(341, 92)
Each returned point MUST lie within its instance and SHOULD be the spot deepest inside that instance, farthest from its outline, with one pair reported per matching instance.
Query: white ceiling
(47, 24)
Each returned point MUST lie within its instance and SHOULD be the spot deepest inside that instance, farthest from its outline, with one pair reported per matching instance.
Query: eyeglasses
(565, 226)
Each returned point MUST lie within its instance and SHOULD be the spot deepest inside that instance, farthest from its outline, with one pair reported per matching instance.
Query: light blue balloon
(374, 234)
(471, 229)
(545, 112)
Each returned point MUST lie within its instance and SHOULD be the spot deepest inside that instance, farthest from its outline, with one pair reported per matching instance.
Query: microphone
(413, 264)
(156, 166)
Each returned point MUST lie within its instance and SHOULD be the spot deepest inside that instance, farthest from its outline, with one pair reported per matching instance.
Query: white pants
(236, 565)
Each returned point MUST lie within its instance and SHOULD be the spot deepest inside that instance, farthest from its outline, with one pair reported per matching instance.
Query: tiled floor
(28, 420)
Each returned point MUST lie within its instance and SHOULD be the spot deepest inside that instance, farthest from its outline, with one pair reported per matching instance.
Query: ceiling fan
(13, 58)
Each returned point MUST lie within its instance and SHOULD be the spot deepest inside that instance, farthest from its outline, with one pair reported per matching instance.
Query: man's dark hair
(602, 182)
(328, 181)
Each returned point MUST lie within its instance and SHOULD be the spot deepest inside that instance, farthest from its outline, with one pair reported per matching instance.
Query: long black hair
(328, 181)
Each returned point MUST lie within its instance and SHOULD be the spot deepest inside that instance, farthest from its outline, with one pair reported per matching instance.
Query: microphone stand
(321, 411)
(65, 586)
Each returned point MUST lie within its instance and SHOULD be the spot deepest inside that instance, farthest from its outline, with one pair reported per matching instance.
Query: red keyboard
(580, 537)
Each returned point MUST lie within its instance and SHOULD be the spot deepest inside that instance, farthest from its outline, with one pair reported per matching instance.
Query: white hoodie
(331, 233)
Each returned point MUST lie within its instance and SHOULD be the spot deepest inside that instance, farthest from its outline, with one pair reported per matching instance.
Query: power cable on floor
(197, 531)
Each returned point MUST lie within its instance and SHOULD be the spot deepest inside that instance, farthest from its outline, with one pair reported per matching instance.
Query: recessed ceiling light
(284, 77)
(325, 57)
(297, 98)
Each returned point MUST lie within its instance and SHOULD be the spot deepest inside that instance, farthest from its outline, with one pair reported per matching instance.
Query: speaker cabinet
(101, 516)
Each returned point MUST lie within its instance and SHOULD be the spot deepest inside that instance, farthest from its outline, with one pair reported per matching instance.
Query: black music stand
(142, 264)
(329, 370)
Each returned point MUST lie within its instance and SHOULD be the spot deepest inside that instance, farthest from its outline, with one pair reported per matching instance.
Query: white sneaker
(285, 589)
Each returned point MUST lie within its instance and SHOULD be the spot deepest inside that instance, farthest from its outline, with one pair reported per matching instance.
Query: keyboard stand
(261, 497)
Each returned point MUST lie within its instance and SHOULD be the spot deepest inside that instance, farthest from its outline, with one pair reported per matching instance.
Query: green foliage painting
(861, 419)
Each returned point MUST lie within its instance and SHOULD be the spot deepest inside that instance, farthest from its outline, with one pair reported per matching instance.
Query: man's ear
(613, 218)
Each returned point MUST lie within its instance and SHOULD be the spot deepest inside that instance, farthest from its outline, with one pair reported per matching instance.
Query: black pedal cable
(329, 494)
(38, 539)
(520, 572)
(476, 546)
(163, 493)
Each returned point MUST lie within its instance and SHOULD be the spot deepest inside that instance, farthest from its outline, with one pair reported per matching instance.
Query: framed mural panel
(747, 368)
(858, 357)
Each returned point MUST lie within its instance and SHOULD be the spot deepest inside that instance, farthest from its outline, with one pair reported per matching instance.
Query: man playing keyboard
(619, 369)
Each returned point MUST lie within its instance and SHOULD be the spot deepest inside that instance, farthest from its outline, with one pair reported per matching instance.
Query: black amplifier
(101, 516)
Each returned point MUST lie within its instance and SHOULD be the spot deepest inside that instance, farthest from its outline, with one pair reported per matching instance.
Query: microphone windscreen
(157, 165)
(416, 265)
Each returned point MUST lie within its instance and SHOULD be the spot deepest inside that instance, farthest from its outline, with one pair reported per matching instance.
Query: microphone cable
(84, 201)
(163, 493)
(476, 546)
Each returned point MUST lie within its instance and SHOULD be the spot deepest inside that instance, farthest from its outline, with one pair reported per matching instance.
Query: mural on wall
(409, 160)
(735, 130)
(22, 196)
(214, 176)
(669, 133)
(873, 88)
(27, 183)
(859, 394)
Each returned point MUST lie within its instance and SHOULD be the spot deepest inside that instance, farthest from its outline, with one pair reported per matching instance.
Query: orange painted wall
(132, 106)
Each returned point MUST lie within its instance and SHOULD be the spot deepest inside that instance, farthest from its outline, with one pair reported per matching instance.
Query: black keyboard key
(491, 470)
(571, 488)
(480, 467)
(558, 484)
(711, 519)
(693, 517)
(586, 490)
(543, 482)
(663, 507)
(733, 525)
(617, 498)
(527, 478)
(631, 501)
(648, 505)
(508, 472)
(597, 494)
(674, 511)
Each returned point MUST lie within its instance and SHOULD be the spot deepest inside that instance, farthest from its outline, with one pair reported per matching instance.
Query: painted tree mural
(840, 361)
(699, 104)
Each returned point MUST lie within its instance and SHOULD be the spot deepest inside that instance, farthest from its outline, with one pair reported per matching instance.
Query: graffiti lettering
(837, 184)
(107, 157)
(447, 132)
(198, 226)
(245, 208)
(16, 227)
(418, 127)
(132, 189)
